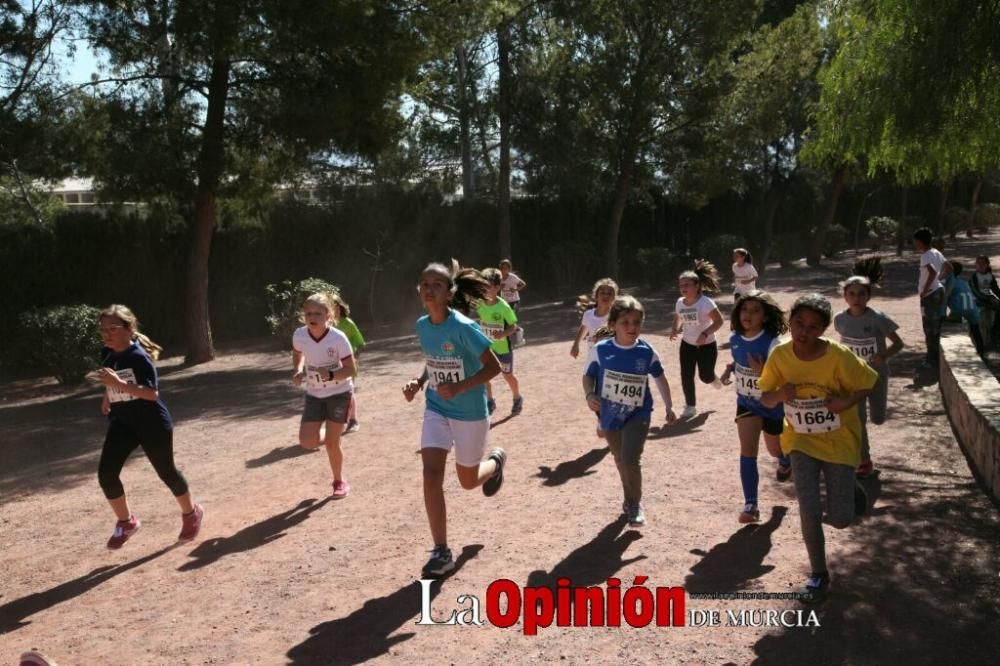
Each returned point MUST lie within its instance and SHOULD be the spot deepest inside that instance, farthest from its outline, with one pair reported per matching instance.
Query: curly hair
(815, 302)
(775, 322)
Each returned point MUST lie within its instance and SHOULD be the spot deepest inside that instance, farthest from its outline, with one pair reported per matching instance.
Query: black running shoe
(441, 562)
(492, 485)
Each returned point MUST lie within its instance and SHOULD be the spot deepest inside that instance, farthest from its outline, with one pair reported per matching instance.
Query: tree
(204, 95)
(626, 93)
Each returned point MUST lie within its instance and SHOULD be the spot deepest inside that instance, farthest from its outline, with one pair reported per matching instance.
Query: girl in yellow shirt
(820, 383)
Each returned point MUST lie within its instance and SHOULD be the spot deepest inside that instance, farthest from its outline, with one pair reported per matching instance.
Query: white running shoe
(688, 412)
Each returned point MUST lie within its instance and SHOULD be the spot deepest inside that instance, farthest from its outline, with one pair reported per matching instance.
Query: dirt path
(283, 575)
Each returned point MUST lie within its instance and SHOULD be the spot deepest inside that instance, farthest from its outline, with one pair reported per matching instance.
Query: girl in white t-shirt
(597, 305)
(697, 318)
(323, 360)
(744, 274)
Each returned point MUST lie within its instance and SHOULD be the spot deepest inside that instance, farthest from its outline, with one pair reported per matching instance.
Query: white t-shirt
(744, 272)
(935, 260)
(696, 318)
(508, 288)
(591, 321)
(322, 357)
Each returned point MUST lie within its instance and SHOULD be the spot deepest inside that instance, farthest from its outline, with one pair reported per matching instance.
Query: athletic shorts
(333, 408)
(468, 437)
(506, 363)
(771, 426)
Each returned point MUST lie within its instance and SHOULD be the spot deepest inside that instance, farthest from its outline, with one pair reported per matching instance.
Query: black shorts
(333, 408)
(771, 426)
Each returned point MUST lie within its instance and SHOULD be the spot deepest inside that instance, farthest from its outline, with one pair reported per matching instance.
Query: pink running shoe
(341, 489)
(123, 530)
(191, 523)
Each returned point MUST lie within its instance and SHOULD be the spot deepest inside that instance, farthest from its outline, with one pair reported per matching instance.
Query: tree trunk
(622, 187)
(772, 201)
(829, 214)
(464, 126)
(973, 205)
(901, 229)
(942, 207)
(210, 163)
(503, 110)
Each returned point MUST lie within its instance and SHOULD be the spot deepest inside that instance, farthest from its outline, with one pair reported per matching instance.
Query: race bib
(492, 331)
(117, 395)
(863, 348)
(444, 370)
(319, 376)
(810, 416)
(746, 382)
(509, 295)
(689, 317)
(623, 388)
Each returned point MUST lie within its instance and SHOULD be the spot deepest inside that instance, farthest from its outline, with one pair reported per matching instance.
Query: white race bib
(117, 395)
(509, 295)
(863, 348)
(444, 370)
(318, 377)
(689, 317)
(492, 331)
(623, 388)
(810, 416)
(746, 382)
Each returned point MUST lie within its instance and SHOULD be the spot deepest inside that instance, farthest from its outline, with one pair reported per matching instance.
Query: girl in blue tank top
(757, 322)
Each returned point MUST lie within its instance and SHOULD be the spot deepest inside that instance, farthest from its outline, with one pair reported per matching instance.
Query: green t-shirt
(347, 326)
(493, 319)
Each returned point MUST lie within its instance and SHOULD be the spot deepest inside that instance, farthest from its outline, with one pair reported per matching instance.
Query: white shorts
(468, 437)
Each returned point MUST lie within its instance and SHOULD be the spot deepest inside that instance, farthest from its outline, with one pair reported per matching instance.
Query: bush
(62, 339)
(719, 250)
(572, 264)
(956, 219)
(987, 215)
(837, 240)
(882, 232)
(659, 265)
(285, 301)
(788, 248)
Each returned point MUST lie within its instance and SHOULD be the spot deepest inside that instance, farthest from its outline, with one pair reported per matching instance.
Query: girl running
(595, 314)
(757, 322)
(346, 325)
(819, 382)
(864, 330)
(498, 322)
(458, 362)
(697, 316)
(511, 285)
(616, 386)
(322, 358)
(136, 417)
(744, 273)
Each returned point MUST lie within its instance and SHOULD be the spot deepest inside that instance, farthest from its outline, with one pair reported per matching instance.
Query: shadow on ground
(365, 634)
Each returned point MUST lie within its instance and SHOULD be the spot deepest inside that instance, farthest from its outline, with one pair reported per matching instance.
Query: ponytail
(705, 274)
(128, 318)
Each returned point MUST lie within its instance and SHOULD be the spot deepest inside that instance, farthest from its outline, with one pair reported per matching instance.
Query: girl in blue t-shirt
(616, 385)
(458, 362)
(757, 322)
(136, 417)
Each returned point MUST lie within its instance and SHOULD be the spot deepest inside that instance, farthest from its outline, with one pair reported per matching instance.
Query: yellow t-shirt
(809, 427)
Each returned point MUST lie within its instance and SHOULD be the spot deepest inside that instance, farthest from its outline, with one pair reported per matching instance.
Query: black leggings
(703, 358)
(119, 444)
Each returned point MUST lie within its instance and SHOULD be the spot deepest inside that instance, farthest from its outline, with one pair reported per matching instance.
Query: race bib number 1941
(444, 370)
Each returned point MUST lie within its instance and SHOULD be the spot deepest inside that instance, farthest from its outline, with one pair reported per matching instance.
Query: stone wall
(972, 399)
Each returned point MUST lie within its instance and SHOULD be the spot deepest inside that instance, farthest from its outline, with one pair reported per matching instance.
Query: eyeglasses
(110, 328)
